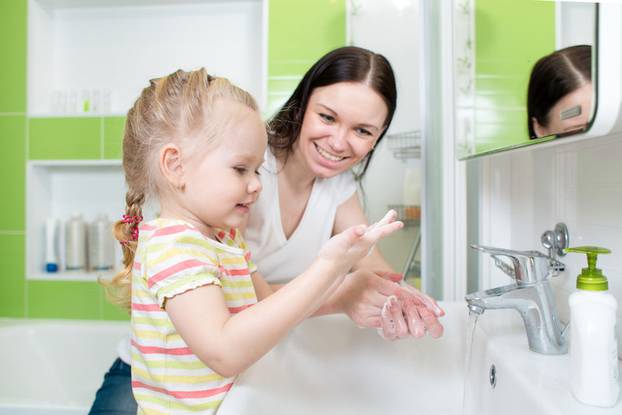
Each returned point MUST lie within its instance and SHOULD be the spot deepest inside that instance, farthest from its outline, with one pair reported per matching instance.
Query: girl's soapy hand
(349, 246)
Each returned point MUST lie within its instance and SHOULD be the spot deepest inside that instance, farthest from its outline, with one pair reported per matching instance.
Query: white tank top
(279, 259)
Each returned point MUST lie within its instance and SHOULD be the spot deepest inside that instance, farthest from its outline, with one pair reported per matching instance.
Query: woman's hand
(376, 300)
(421, 312)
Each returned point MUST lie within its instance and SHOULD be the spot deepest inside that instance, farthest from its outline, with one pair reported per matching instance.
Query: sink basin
(329, 366)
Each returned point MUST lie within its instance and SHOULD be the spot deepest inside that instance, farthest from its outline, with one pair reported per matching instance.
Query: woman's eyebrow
(327, 108)
(363, 125)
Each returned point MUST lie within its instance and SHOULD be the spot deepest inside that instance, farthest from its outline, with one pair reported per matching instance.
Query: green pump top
(591, 278)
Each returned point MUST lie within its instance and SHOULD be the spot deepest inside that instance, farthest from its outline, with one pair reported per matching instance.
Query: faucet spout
(536, 307)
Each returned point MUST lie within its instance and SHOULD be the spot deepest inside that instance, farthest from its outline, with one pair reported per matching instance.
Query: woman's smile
(327, 154)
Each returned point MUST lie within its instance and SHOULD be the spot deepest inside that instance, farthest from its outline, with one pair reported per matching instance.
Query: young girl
(195, 143)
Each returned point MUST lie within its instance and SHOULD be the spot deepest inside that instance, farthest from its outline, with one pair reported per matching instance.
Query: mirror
(524, 72)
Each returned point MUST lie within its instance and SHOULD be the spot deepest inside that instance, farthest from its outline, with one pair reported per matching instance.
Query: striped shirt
(173, 257)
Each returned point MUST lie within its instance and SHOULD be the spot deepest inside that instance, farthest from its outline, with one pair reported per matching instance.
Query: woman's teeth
(327, 155)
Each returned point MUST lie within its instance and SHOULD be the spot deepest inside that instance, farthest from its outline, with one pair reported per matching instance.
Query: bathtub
(54, 366)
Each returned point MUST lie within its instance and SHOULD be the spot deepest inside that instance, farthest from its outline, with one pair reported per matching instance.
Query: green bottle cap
(591, 278)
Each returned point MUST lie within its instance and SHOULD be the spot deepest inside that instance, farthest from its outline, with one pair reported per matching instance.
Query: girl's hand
(349, 246)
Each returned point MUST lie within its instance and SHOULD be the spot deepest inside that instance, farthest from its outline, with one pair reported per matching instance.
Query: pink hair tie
(133, 221)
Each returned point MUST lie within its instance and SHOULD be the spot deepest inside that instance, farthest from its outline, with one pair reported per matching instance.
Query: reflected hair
(346, 64)
(554, 76)
(177, 108)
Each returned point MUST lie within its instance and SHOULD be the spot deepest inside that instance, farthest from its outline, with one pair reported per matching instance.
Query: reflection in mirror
(523, 72)
(559, 96)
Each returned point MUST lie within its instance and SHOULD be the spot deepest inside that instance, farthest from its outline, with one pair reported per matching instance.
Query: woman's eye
(364, 132)
(327, 118)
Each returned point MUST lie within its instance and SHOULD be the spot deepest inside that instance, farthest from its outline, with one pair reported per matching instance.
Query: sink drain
(492, 376)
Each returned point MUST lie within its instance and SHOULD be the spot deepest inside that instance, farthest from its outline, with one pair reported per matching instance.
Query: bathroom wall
(299, 33)
(523, 193)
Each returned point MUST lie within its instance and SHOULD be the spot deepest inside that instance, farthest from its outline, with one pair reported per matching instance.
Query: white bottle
(75, 244)
(101, 244)
(51, 251)
(593, 345)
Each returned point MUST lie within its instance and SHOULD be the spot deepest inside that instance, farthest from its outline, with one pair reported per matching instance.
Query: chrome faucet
(530, 295)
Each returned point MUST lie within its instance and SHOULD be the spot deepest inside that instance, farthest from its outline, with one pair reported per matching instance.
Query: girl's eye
(240, 170)
(257, 173)
(327, 118)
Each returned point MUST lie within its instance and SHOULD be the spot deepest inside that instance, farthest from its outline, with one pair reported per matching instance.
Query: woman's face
(581, 98)
(341, 125)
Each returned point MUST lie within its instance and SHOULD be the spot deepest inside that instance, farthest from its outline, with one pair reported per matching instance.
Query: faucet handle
(525, 267)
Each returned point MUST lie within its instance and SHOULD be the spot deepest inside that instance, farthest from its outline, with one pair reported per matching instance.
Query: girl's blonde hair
(175, 108)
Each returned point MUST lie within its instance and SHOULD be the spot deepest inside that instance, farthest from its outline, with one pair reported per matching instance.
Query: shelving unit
(60, 188)
(76, 47)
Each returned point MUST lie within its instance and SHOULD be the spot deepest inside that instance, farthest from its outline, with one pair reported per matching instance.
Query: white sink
(329, 366)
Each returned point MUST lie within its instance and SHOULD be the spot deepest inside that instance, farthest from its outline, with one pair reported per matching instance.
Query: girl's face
(222, 181)
(341, 125)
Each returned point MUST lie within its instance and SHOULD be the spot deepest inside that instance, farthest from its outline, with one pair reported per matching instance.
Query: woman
(337, 114)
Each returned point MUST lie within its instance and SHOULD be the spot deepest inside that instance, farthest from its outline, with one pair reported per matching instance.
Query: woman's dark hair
(554, 76)
(346, 64)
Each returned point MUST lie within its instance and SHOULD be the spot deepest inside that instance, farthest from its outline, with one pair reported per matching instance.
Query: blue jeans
(114, 397)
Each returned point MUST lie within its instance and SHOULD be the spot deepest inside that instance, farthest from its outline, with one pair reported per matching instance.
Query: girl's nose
(255, 186)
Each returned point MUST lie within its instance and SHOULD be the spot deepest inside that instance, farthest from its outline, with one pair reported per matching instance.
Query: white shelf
(117, 46)
(76, 115)
(71, 276)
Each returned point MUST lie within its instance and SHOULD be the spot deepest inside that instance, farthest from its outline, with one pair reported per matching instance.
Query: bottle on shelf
(75, 244)
(51, 248)
(101, 244)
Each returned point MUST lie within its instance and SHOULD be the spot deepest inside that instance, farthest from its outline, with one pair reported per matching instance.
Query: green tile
(12, 294)
(64, 138)
(64, 299)
(113, 137)
(13, 17)
(299, 32)
(12, 170)
(111, 311)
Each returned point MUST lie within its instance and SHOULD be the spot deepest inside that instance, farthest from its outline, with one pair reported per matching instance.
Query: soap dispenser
(593, 346)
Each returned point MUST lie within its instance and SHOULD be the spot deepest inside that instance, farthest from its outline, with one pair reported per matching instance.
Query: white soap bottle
(593, 345)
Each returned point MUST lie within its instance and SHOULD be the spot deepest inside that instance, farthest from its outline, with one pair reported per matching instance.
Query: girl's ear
(171, 166)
